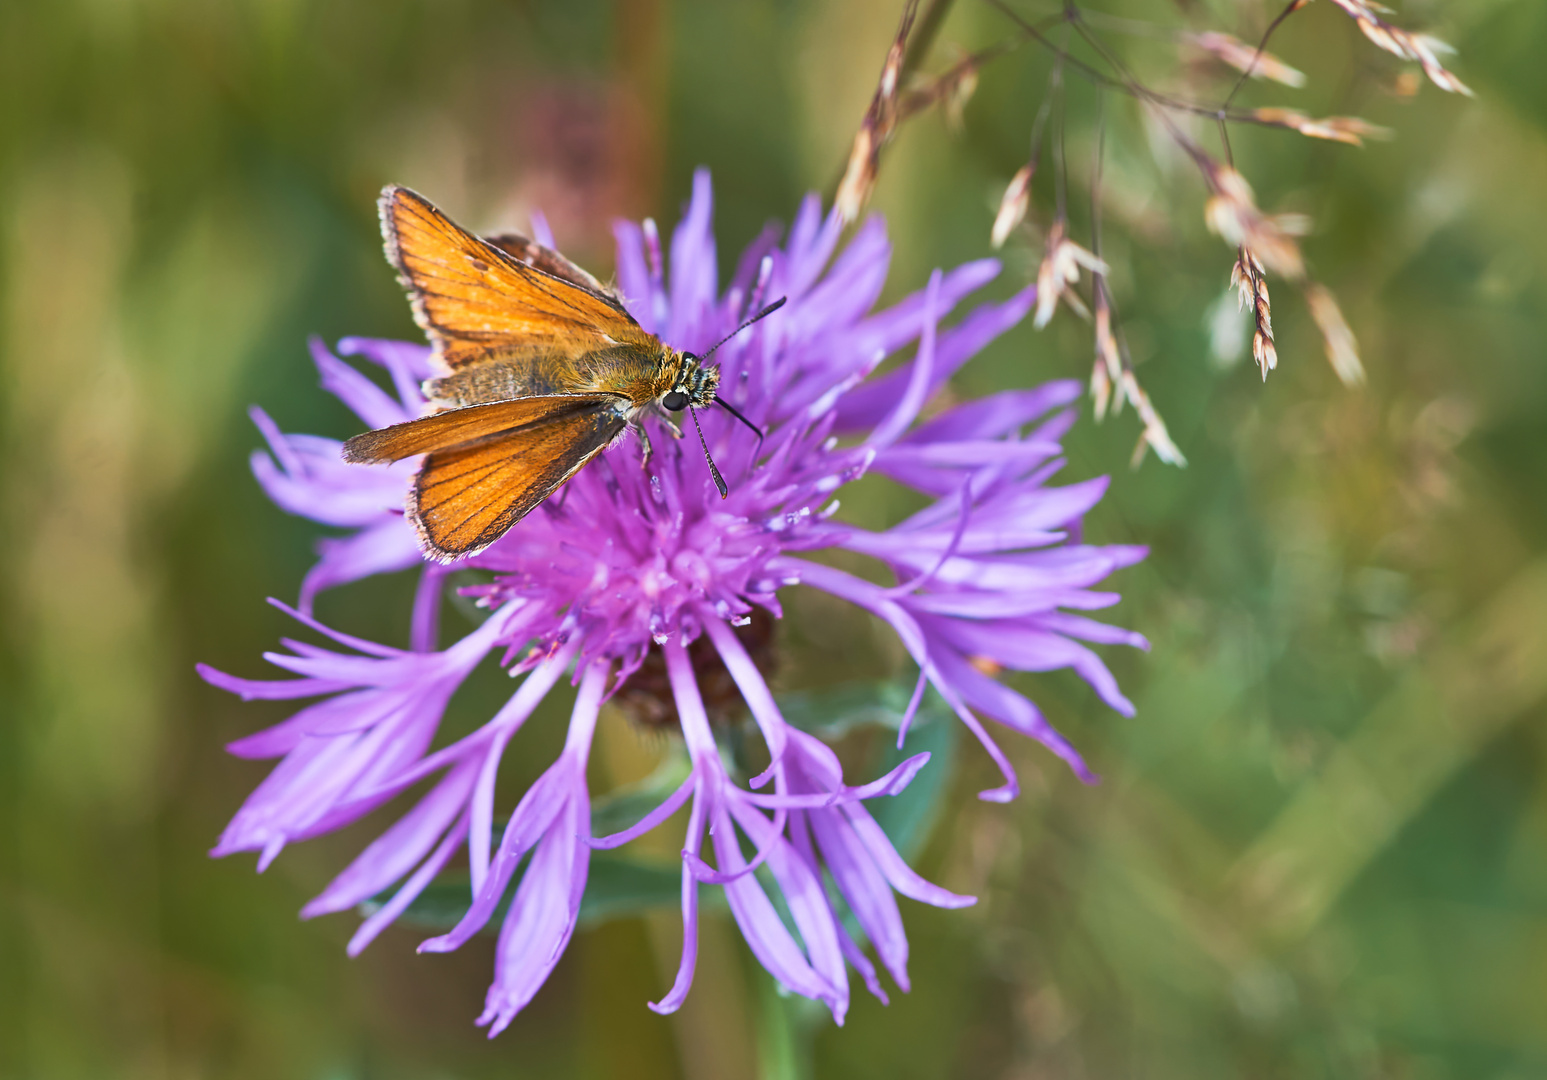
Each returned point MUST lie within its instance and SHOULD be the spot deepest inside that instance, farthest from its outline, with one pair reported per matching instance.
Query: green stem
(924, 33)
(786, 1024)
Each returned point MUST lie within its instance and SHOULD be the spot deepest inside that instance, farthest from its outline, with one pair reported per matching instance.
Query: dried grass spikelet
(1154, 436)
(1100, 388)
(1112, 381)
(1342, 348)
(890, 107)
(956, 93)
(1108, 369)
(1251, 284)
(1404, 43)
(1232, 213)
(859, 179)
(1060, 269)
(1013, 206)
(1243, 57)
(875, 131)
(951, 90)
(1344, 129)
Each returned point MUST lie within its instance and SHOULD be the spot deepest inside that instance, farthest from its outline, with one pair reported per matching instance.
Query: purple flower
(626, 567)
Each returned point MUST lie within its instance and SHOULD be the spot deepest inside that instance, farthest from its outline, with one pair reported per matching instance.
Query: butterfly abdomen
(620, 369)
(489, 381)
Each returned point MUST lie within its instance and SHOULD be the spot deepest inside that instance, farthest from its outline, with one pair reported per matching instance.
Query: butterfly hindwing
(547, 260)
(466, 496)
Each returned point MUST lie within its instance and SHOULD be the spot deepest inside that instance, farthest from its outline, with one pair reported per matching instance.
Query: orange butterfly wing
(442, 430)
(478, 302)
(467, 496)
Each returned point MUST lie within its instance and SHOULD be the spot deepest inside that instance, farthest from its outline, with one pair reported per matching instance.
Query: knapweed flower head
(631, 572)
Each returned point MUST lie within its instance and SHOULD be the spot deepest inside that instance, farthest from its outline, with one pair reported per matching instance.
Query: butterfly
(540, 369)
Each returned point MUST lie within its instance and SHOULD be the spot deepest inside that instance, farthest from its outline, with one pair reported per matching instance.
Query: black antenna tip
(719, 481)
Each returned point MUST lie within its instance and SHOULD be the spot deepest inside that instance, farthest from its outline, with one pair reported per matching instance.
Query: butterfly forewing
(478, 302)
(467, 496)
(442, 430)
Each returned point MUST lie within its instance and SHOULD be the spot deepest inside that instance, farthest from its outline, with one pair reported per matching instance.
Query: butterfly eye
(674, 400)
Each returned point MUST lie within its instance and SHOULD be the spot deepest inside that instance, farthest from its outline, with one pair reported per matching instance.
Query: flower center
(646, 697)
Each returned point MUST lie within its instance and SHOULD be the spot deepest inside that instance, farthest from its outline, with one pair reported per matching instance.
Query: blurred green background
(1318, 850)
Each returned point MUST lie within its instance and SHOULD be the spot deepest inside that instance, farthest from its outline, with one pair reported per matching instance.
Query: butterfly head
(694, 386)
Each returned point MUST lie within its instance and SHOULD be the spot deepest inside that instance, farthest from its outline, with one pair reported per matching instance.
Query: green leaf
(618, 886)
(835, 711)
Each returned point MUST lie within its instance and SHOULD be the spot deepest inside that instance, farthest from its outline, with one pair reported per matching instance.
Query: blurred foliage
(1318, 849)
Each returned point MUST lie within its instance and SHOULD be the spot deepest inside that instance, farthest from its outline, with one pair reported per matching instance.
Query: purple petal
(364, 398)
(506, 723)
(760, 925)
(337, 715)
(865, 406)
(542, 918)
(541, 232)
(692, 842)
(747, 267)
(1026, 648)
(892, 866)
(708, 875)
(754, 691)
(893, 783)
(1091, 630)
(653, 819)
(864, 888)
(384, 917)
(998, 701)
(425, 625)
(693, 274)
(812, 240)
(270, 689)
(382, 549)
(396, 851)
(853, 284)
(408, 364)
(917, 387)
(533, 815)
(288, 459)
(364, 498)
(997, 414)
(633, 276)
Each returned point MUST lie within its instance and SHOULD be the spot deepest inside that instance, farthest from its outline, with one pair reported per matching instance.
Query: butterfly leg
(644, 440)
(644, 436)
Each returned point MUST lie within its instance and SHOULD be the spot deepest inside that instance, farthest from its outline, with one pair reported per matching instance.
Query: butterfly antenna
(719, 481)
(728, 407)
(767, 311)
